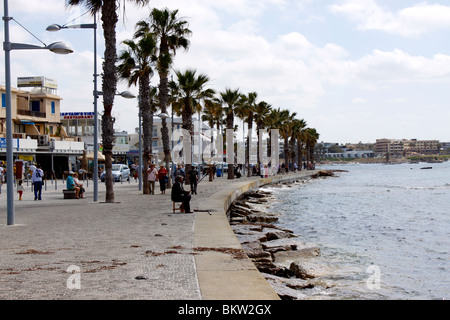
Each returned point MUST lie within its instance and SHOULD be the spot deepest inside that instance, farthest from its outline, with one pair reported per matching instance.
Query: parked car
(120, 172)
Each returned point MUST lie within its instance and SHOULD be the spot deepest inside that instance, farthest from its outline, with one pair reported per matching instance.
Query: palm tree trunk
(299, 154)
(230, 125)
(247, 155)
(286, 154)
(147, 126)
(186, 119)
(258, 160)
(163, 99)
(109, 19)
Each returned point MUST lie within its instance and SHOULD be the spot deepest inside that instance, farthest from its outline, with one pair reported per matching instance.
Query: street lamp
(56, 47)
(57, 27)
(163, 115)
(123, 94)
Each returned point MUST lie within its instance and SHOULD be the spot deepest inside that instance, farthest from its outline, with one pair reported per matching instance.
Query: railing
(19, 135)
(32, 113)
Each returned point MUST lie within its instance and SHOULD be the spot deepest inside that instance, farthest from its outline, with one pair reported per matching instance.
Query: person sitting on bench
(180, 195)
(71, 185)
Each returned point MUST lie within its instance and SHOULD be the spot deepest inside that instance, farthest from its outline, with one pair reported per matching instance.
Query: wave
(445, 186)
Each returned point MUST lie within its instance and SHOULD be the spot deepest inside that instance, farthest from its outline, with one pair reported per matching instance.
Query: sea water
(383, 230)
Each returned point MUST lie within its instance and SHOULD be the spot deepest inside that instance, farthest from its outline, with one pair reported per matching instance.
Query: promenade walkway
(135, 248)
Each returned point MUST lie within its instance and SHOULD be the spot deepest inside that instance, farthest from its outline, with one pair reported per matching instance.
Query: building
(37, 132)
(81, 125)
(350, 154)
(415, 146)
(406, 147)
(389, 148)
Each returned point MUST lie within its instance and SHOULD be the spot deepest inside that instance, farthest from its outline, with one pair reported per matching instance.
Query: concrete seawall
(221, 275)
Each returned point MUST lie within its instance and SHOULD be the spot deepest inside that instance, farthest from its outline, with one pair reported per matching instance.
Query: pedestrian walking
(20, 189)
(152, 174)
(193, 179)
(36, 179)
(163, 179)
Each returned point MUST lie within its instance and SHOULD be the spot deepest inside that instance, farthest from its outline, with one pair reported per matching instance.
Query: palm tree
(286, 128)
(262, 111)
(274, 120)
(311, 137)
(171, 33)
(231, 99)
(189, 91)
(109, 18)
(246, 112)
(297, 135)
(142, 54)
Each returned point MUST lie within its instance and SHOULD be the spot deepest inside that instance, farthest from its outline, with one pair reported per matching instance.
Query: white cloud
(399, 66)
(412, 21)
(359, 100)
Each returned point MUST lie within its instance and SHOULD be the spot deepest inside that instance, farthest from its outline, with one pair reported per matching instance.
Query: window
(53, 107)
(3, 100)
(35, 106)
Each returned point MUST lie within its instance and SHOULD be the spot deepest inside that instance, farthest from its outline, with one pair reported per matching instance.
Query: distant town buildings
(390, 148)
(404, 148)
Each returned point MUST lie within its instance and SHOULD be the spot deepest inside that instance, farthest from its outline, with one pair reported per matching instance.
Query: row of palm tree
(153, 47)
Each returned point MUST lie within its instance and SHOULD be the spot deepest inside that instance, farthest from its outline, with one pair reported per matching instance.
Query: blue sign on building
(3, 143)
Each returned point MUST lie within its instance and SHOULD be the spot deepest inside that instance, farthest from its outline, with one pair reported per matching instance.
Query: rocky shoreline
(282, 257)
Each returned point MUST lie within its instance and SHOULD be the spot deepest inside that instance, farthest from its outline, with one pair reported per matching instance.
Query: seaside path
(135, 248)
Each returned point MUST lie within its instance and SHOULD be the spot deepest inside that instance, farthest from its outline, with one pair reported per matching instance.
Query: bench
(70, 194)
(179, 208)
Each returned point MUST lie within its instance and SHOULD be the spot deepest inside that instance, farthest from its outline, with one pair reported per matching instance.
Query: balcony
(32, 113)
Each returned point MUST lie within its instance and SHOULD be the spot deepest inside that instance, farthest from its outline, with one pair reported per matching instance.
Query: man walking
(193, 179)
(36, 179)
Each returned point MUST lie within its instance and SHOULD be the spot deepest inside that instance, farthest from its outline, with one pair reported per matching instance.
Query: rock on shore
(284, 260)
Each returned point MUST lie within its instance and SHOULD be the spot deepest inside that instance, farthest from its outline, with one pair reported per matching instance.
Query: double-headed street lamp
(56, 47)
(57, 27)
(96, 93)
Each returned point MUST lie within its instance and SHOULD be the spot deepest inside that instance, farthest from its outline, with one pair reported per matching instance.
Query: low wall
(220, 275)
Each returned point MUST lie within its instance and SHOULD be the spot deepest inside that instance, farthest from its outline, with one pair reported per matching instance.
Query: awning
(26, 122)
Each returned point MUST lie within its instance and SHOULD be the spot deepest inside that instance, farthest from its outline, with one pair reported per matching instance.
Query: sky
(355, 70)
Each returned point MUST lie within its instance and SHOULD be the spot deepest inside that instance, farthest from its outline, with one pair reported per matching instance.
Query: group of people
(37, 175)
(178, 192)
(161, 175)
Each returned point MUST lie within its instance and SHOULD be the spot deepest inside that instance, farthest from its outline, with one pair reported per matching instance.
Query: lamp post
(57, 27)
(56, 47)
(96, 93)
(140, 152)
